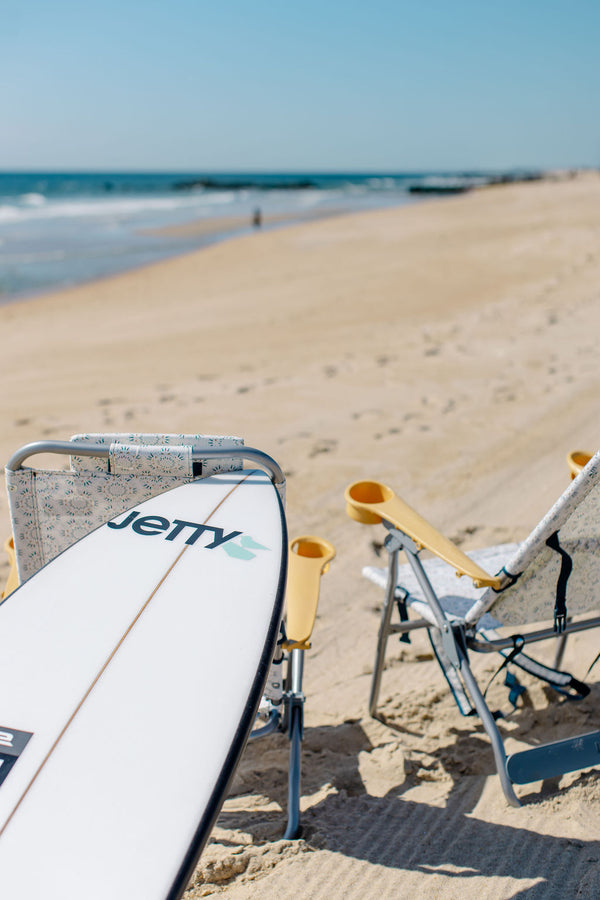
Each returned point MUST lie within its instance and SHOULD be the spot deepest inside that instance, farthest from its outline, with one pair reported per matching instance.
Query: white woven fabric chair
(553, 574)
(51, 509)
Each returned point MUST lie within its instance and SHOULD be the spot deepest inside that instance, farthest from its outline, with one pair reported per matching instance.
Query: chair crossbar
(531, 637)
(412, 625)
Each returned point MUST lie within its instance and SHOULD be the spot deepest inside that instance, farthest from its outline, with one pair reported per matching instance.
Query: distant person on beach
(257, 217)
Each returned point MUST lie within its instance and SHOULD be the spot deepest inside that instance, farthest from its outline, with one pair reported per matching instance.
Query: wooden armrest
(12, 582)
(309, 559)
(370, 502)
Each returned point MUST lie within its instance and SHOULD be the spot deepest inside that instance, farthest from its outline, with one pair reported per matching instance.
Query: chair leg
(489, 723)
(293, 829)
(295, 733)
(384, 632)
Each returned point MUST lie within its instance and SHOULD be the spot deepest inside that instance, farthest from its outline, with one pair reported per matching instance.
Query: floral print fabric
(537, 567)
(51, 509)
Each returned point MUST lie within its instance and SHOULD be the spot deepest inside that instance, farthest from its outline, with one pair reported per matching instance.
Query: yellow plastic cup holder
(313, 548)
(576, 461)
(366, 492)
(309, 559)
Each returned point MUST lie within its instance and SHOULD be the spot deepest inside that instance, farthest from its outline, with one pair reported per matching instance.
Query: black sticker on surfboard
(12, 744)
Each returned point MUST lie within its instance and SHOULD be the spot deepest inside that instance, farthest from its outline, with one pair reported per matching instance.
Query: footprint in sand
(323, 446)
(376, 413)
(460, 537)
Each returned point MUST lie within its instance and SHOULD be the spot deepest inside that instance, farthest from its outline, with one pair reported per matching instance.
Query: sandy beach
(449, 349)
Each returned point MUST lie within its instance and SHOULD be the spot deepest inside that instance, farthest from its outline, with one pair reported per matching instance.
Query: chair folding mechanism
(556, 570)
(110, 473)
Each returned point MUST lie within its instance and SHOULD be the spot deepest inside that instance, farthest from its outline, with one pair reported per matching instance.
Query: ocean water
(60, 229)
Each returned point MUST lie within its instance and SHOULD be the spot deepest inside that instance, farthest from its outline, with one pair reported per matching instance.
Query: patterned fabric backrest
(51, 509)
(569, 564)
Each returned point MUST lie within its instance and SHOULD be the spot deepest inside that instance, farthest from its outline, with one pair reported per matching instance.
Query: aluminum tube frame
(295, 700)
(297, 664)
(293, 829)
(384, 632)
(71, 448)
(412, 625)
(400, 541)
(491, 729)
(451, 644)
(531, 637)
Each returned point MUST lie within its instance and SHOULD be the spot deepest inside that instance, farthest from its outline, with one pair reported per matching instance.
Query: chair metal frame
(458, 638)
(289, 718)
(102, 451)
(308, 560)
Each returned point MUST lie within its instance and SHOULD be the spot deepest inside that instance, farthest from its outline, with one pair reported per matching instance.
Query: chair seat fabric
(456, 595)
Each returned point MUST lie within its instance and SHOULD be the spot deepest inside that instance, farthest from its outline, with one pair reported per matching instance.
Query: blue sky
(305, 85)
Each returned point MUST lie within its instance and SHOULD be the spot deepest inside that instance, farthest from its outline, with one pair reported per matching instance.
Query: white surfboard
(130, 671)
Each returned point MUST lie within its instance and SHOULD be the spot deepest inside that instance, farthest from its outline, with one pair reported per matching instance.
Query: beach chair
(109, 473)
(554, 573)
